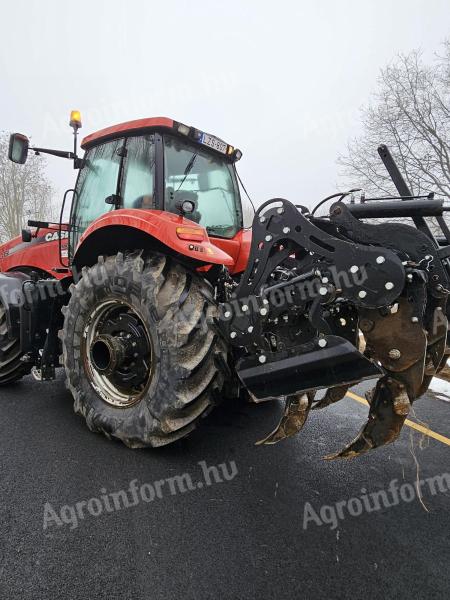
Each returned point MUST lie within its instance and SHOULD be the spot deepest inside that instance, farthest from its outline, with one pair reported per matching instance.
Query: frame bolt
(389, 285)
(280, 210)
(366, 325)
(354, 269)
(323, 291)
(262, 219)
(394, 354)
(233, 334)
(263, 312)
(414, 320)
(244, 308)
(227, 314)
(250, 329)
(286, 229)
(262, 359)
(362, 294)
(322, 342)
(380, 260)
(268, 238)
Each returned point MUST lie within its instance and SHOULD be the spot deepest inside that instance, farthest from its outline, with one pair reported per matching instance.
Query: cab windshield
(192, 173)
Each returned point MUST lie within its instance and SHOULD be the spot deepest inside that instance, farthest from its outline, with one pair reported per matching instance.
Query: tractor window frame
(120, 180)
(201, 151)
(72, 245)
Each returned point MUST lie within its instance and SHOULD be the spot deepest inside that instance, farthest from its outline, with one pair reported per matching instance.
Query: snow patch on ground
(440, 388)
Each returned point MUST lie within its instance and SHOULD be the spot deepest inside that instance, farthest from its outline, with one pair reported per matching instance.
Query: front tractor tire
(142, 359)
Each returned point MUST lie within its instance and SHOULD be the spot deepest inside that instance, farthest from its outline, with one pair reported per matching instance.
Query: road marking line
(412, 424)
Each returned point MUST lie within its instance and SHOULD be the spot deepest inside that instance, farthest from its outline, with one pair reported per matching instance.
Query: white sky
(282, 80)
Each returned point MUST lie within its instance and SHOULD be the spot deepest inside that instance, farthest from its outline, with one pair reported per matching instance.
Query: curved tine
(332, 395)
(389, 408)
(294, 417)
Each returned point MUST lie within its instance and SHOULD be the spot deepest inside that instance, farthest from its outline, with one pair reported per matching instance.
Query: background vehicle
(158, 303)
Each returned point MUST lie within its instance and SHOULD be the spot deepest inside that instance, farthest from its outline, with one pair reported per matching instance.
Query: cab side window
(138, 181)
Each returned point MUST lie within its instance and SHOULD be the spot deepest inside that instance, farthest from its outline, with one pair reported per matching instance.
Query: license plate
(213, 142)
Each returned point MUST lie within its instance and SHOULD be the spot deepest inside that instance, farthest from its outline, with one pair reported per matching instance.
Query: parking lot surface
(260, 532)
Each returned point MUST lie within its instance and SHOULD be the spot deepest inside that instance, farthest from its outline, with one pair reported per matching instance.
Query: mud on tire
(188, 358)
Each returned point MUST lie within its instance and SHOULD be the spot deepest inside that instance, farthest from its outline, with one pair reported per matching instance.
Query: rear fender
(130, 229)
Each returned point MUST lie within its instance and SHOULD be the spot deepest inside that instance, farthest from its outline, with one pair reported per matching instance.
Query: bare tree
(410, 113)
(25, 192)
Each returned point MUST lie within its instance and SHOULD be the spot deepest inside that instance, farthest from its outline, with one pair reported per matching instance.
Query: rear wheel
(12, 367)
(142, 360)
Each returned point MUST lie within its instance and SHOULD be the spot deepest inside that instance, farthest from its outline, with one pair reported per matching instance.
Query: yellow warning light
(75, 119)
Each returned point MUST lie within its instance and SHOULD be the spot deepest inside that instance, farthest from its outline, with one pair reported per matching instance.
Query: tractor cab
(158, 164)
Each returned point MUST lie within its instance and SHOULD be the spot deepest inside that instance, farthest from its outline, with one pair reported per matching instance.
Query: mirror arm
(60, 153)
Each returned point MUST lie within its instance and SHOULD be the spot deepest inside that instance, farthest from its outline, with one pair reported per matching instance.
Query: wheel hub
(117, 353)
(108, 353)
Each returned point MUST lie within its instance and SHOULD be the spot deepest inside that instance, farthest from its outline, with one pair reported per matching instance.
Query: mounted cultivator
(158, 302)
(312, 284)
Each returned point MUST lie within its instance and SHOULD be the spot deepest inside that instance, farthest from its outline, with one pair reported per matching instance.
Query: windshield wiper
(188, 169)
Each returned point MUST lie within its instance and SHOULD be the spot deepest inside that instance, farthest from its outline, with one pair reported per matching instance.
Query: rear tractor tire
(143, 361)
(12, 368)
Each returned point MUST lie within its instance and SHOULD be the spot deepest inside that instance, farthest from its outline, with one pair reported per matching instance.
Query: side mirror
(27, 236)
(18, 148)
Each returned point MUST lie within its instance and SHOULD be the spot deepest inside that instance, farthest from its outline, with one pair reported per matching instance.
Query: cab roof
(140, 126)
(127, 128)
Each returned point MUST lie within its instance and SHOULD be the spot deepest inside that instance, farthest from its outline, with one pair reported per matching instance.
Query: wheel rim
(117, 353)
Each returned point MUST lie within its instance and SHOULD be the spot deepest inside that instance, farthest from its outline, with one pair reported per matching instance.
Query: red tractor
(159, 303)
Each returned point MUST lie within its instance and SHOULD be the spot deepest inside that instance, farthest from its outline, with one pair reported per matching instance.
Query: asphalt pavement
(268, 527)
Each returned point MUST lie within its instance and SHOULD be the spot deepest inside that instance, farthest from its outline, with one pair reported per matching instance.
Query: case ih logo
(52, 237)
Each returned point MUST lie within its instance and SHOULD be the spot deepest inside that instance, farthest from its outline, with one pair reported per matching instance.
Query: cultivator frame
(312, 283)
